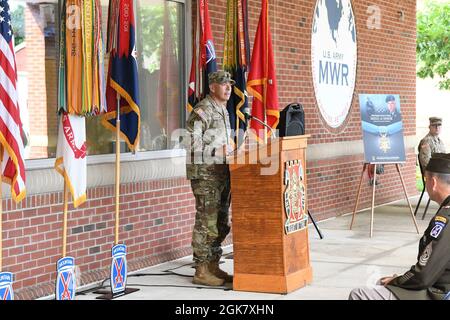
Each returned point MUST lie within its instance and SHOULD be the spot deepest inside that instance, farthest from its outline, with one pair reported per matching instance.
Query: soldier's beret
(390, 98)
(435, 121)
(220, 77)
(439, 163)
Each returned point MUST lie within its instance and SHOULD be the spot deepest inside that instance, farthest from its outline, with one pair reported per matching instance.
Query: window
(160, 41)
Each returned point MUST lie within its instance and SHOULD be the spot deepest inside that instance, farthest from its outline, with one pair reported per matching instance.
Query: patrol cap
(439, 163)
(220, 77)
(390, 98)
(435, 121)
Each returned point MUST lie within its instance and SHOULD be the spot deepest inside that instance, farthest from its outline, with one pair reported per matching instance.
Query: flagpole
(116, 241)
(266, 67)
(66, 204)
(1, 217)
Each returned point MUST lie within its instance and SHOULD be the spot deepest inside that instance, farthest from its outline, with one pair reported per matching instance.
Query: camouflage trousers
(212, 201)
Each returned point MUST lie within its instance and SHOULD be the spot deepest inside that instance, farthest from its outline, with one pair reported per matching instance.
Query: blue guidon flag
(65, 281)
(119, 268)
(6, 290)
(123, 72)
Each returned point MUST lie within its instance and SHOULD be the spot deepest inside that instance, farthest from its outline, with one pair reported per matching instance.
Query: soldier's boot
(205, 277)
(214, 268)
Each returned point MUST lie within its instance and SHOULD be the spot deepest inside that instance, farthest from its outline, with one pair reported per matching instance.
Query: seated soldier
(431, 143)
(429, 278)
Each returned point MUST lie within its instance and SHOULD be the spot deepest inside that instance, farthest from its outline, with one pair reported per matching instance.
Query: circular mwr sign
(333, 60)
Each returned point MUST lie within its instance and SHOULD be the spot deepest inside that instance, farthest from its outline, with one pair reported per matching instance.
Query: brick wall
(386, 64)
(37, 94)
(157, 216)
(156, 219)
(51, 82)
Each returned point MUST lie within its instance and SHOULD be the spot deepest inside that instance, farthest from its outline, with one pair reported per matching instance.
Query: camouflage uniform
(429, 278)
(430, 144)
(209, 130)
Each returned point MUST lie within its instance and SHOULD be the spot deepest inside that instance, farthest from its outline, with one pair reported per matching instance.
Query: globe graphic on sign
(334, 59)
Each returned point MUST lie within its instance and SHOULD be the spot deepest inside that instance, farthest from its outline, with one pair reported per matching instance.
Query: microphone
(247, 113)
(248, 116)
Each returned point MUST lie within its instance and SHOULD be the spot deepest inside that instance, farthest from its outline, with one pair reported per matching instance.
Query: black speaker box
(292, 120)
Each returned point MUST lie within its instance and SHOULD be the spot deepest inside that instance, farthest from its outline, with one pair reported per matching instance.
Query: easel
(373, 195)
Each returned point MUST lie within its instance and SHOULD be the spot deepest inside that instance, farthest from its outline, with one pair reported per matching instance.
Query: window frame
(46, 163)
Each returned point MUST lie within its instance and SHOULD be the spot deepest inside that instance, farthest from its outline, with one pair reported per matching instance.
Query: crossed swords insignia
(5, 294)
(65, 282)
(118, 279)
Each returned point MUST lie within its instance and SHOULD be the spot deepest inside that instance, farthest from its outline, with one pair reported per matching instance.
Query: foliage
(151, 20)
(18, 24)
(433, 43)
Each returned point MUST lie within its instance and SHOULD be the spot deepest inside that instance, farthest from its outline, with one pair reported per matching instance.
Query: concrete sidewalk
(344, 259)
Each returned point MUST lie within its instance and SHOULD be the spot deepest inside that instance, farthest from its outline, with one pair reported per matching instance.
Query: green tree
(18, 24)
(433, 43)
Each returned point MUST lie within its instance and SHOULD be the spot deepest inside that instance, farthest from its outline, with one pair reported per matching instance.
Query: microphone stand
(248, 116)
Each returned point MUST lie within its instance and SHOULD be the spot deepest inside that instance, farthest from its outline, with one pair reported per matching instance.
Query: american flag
(13, 167)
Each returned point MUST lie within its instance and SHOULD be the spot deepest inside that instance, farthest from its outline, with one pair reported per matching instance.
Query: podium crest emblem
(294, 197)
(6, 290)
(118, 268)
(65, 281)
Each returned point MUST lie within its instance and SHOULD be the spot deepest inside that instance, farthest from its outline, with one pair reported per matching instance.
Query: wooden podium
(266, 257)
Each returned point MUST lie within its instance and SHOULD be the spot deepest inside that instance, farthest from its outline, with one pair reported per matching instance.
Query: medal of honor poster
(382, 128)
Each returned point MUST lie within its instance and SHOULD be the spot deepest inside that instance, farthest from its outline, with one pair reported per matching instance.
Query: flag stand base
(109, 295)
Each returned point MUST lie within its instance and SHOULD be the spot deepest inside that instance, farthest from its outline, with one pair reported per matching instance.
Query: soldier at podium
(429, 278)
(209, 139)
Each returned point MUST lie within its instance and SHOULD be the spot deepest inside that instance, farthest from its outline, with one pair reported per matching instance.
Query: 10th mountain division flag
(12, 167)
(122, 73)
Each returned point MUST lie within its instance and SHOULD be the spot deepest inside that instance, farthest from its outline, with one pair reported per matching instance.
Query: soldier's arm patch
(441, 219)
(425, 146)
(202, 114)
(425, 255)
(439, 224)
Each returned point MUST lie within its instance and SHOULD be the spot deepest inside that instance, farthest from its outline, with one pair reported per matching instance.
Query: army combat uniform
(428, 145)
(429, 278)
(209, 129)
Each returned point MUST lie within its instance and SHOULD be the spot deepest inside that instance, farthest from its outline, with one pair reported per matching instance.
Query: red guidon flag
(261, 82)
(203, 56)
(71, 155)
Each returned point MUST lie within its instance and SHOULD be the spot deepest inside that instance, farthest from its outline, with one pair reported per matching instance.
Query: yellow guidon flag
(87, 29)
(74, 56)
(82, 85)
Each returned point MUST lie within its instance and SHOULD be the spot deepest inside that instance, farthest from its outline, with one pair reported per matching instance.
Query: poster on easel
(382, 128)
